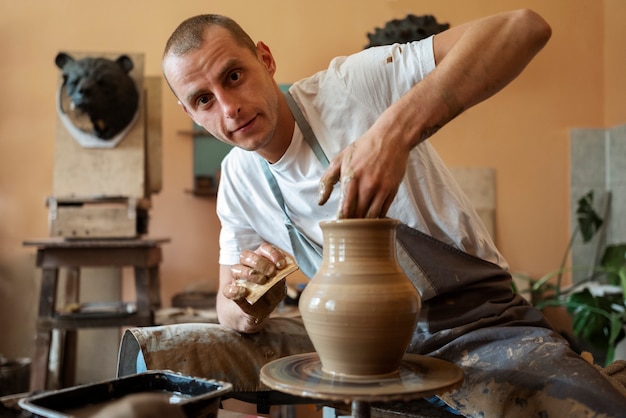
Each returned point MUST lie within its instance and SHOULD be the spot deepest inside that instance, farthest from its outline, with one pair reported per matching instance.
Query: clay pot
(360, 309)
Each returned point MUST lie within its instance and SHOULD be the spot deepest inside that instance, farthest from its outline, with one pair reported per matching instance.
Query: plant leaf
(622, 282)
(592, 318)
(588, 219)
(613, 261)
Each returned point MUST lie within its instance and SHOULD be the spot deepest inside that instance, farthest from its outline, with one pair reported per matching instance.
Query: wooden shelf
(75, 322)
(202, 193)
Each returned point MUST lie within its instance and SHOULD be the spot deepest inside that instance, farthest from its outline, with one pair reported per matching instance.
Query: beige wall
(523, 132)
(614, 62)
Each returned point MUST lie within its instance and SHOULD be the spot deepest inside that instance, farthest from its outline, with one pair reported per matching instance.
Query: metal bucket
(14, 376)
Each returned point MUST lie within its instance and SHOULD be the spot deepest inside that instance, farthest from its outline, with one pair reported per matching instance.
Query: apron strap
(307, 253)
(307, 132)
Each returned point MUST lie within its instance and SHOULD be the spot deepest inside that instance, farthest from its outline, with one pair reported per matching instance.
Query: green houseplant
(597, 304)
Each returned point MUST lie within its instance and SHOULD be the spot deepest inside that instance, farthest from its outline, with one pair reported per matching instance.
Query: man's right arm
(229, 312)
(233, 310)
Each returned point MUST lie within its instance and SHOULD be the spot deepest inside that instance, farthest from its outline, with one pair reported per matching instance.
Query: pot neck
(349, 240)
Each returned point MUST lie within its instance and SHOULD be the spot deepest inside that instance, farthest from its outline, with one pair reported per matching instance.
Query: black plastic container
(198, 398)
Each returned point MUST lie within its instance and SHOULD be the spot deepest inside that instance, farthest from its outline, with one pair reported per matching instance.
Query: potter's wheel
(417, 377)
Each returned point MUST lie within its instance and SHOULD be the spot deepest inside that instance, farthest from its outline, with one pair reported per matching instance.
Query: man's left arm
(473, 62)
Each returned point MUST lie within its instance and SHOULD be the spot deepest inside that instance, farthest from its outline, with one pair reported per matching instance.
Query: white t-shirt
(340, 104)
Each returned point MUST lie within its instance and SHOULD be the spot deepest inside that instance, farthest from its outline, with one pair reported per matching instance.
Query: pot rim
(360, 221)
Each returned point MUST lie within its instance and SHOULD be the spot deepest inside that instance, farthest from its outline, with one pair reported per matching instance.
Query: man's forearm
(474, 61)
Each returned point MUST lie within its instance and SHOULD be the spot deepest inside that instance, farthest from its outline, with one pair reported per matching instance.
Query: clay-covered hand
(370, 171)
(258, 267)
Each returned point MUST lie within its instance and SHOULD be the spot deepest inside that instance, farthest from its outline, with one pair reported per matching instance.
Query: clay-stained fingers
(274, 254)
(256, 291)
(328, 181)
(377, 205)
(366, 196)
(239, 271)
(252, 284)
(242, 274)
(264, 261)
(357, 201)
(258, 266)
(386, 205)
(235, 292)
(349, 197)
(374, 209)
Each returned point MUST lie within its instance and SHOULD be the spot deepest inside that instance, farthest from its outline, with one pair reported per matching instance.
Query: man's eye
(234, 76)
(202, 100)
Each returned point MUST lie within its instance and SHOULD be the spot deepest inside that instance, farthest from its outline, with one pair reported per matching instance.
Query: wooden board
(118, 171)
(93, 221)
(154, 143)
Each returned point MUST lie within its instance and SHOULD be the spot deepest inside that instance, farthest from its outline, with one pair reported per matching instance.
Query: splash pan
(196, 397)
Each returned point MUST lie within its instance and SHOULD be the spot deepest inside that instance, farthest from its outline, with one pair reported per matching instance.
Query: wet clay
(360, 309)
(216, 352)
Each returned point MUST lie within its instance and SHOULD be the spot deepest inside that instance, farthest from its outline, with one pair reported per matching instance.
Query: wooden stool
(143, 254)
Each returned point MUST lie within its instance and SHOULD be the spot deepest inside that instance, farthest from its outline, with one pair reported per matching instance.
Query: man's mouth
(246, 126)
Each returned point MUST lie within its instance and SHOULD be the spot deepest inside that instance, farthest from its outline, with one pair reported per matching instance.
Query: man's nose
(230, 105)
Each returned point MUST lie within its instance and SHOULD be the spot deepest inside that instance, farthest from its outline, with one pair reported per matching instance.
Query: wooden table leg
(69, 337)
(154, 288)
(43, 339)
(54, 254)
(39, 364)
(67, 368)
(147, 289)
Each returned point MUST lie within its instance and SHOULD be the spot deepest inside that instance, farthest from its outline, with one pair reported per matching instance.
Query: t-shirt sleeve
(381, 75)
(236, 233)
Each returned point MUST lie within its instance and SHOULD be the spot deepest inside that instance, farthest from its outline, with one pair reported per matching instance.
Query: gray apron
(515, 365)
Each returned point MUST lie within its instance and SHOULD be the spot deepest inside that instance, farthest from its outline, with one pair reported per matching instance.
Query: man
(364, 123)
(236, 99)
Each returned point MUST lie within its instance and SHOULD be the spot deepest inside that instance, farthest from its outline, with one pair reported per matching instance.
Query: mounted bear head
(102, 89)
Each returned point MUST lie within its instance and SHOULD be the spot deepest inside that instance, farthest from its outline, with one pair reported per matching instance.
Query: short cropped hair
(188, 36)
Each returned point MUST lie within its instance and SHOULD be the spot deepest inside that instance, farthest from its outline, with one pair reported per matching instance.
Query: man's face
(227, 89)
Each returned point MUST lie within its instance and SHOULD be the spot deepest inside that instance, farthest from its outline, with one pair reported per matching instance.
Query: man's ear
(265, 56)
(186, 111)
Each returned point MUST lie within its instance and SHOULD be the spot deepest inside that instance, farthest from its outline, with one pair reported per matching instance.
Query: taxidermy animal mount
(411, 28)
(98, 94)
